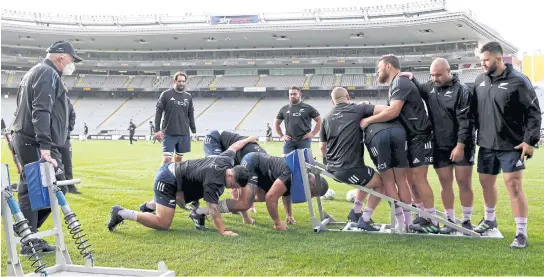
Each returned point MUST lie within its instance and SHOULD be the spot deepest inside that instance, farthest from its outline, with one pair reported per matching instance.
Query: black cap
(64, 47)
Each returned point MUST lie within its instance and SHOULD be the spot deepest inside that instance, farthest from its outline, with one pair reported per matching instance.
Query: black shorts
(492, 161)
(176, 145)
(165, 187)
(356, 176)
(212, 143)
(387, 149)
(442, 157)
(420, 151)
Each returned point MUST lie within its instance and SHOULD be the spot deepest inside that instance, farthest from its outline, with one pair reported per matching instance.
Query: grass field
(114, 172)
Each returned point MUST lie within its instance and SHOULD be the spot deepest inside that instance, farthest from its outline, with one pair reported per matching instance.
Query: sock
(357, 206)
(521, 225)
(489, 214)
(367, 213)
(128, 214)
(407, 217)
(432, 211)
(450, 213)
(204, 210)
(399, 216)
(150, 205)
(467, 213)
(419, 206)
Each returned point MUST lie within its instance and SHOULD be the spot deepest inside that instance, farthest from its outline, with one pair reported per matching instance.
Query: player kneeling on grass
(191, 180)
(270, 179)
(218, 140)
(215, 142)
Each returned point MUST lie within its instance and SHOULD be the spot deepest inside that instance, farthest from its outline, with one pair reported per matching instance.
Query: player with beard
(508, 121)
(298, 123)
(406, 104)
(177, 107)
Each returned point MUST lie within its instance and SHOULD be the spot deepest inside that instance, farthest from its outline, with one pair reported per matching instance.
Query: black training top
(298, 119)
(340, 129)
(178, 113)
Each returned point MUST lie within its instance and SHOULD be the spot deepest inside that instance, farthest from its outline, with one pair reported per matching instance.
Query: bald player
(448, 101)
(342, 150)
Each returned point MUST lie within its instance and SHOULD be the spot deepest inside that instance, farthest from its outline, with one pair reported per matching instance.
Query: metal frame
(326, 221)
(63, 262)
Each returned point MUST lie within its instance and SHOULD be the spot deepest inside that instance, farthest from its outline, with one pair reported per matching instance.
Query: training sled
(43, 191)
(301, 161)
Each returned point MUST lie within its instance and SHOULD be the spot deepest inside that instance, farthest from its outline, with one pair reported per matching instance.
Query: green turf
(113, 172)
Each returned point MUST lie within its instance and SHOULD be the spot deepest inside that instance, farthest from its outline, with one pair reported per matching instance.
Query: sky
(512, 21)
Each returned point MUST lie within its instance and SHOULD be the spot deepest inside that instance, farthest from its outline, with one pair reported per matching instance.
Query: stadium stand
(95, 111)
(236, 81)
(469, 75)
(423, 76)
(268, 108)
(281, 81)
(12, 79)
(110, 87)
(136, 109)
(9, 105)
(226, 113)
(353, 80)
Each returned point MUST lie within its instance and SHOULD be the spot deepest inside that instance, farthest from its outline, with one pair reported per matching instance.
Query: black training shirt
(340, 129)
(413, 114)
(205, 176)
(298, 119)
(178, 113)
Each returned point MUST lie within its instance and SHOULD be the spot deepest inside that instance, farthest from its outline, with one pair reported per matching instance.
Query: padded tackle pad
(297, 186)
(39, 195)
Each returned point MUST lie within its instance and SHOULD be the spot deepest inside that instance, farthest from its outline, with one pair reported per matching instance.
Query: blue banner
(237, 19)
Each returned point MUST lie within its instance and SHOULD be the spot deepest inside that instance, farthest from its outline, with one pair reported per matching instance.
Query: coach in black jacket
(41, 123)
(448, 103)
(508, 121)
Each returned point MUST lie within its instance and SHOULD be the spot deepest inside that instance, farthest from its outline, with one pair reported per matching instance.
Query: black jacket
(506, 109)
(42, 112)
(449, 110)
(72, 119)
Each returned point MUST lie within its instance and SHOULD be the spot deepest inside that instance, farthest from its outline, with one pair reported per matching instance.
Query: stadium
(240, 69)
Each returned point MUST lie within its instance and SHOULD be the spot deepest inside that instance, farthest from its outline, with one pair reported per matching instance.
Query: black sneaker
(467, 225)
(45, 247)
(145, 209)
(447, 229)
(425, 227)
(419, 220)
(520, 241)
(40, 246)
(366, 225)
(73, 189)
(486, 225)
(198, 219)
(115, 219)
(354, 217)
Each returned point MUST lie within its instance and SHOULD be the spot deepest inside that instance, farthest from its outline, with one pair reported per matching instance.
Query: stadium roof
(362, 27)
